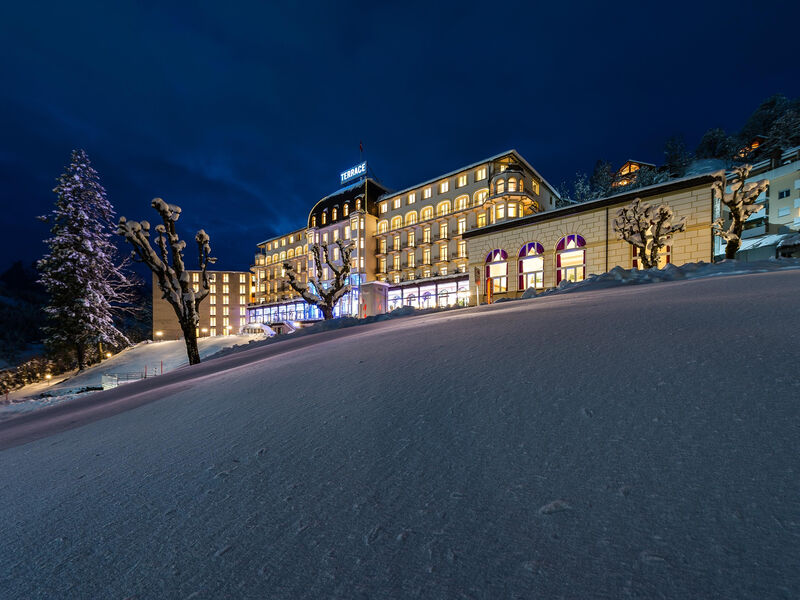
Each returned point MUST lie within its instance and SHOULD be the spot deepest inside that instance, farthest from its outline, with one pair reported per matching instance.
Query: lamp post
(204, 331)
(159, 334)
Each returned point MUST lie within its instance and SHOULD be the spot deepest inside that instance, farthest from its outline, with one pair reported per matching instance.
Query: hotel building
(223, 312)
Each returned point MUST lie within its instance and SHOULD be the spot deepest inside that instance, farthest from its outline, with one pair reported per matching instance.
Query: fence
(112, 380)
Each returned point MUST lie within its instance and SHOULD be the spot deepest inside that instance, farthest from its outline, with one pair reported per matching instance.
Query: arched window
(346, 209)
(497, 271)
(283, 256)
(397, 221)
(324, 216)
(358, 203)
(512, 185)
(480, 196)
(531, 266)
(500, 186)
(383, 226)
(334, 213)
(570, 259)
(411, 217)
(427, 213)
(314, 221)
(290, 253)
(462, 202)
(443, 208)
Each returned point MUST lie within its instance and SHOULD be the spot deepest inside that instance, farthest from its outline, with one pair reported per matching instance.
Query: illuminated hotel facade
(486, 231)
(409, 244)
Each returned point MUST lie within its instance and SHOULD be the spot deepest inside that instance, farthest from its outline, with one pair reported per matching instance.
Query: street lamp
(108, 354)
(159, 334)
(48, 376)
(204, 330)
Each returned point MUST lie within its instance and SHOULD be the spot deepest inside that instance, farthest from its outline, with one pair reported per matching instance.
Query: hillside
(634, 442)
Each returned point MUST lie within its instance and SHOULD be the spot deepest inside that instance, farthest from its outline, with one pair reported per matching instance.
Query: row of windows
(290, 253)
(443, 208)
(426, 257)
(427, 192)
(334, 213)
(212, 277)
(295, 237)
(426, 273)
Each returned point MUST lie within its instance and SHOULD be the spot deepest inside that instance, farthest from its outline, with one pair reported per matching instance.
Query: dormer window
(314, 221)
(324, 217)
(346, 210)
(334, 214)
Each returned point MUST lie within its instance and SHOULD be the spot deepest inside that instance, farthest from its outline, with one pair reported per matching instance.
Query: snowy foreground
(635, 442)
(145, 358)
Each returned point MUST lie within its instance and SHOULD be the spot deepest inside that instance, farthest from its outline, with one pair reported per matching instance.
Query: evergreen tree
(78, 272)
(762, 119)
(715, 143)
(602, 179)
(676, 157)
(784, 134)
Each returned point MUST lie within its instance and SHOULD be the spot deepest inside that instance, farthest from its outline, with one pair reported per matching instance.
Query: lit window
(196, 287)
(411, 258)
(411, 217)
(531, 266)
(482, 220)
(354, 224)
(462, 202)
(334, 214)
(535, 186)
(383, 226)
(384, 207)
(325, 238)
(500, 211)
(225, 299)
(411, 238)
(570, 259)
(346, 209)
(426, 273)
(396, 202)
(462, 249)
(213, 331)
(382, 246)
(212, 321)
(443, 252)
(225, 278)
(512, 185)
(500, 186)
(212, 289)
(426, 257)
(443, 230)
(412, 197)
(324, 217)
(462, 181)
(242, 278)
(362, 223)
(444, 187)
(512, 209)
(347, 233)
(335, 234)
(396, 242)
(397, 221)
(480, 173)
(382, 265)
(426, 235)
(225, 310)
(314, 221)
(443, 208)
(426, 193)
(497, 271)
(426, 213)
(396, 262)
(358, 203)
(443, 271)
(242, 300)
(480, 196)
(462, 225)
(195, 277)
(212, 310)
(336, 253)
(226, 288)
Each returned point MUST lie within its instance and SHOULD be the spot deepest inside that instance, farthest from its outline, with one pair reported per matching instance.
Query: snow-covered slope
(149, 358)
(636, 442)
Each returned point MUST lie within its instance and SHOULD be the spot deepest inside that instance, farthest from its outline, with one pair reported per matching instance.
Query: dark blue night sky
(245, 113)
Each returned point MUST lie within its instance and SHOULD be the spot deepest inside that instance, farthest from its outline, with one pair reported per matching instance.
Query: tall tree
(741, 202)
(170, 269)
(324, 294)
(602, 179)
(762, 119)
(79, 272)
(715, 143)
(784, 134)
(647, 228)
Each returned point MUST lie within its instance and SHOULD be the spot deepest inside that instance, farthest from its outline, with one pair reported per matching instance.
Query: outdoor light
(108, 354)
(159, 334)
(48, 376)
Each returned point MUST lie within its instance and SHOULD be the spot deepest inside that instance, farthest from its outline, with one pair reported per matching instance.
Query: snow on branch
(323, 293)
(169, 267)
(647, 228)
(741, 202)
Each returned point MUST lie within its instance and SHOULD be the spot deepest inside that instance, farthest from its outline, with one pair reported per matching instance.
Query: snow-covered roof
(763, 241)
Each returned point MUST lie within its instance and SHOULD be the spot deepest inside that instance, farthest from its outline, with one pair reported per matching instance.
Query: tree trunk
(80, 356)
(190, 338)
(732, 247)
(327, 311)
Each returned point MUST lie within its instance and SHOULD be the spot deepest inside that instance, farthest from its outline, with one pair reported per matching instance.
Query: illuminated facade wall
(271, 283)
(224, 310)
(573, 242)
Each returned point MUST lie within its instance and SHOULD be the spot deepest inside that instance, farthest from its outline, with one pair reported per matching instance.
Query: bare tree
(647, 228)
(172, 276)
(324, 295)
(741, 202)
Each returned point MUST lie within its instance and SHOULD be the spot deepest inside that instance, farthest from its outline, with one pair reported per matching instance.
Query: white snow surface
(633, 442)
(170, 354)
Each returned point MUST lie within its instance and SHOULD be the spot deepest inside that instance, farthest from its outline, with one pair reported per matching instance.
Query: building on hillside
(222, 312)
(780, 215)
(628, 172)
(568, 244)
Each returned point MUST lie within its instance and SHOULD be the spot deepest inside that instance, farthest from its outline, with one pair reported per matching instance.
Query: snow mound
(619, 276)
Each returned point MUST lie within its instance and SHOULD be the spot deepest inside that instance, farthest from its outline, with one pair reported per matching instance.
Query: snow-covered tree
(170, 269)
(647, 228)
(321, 293)
(715, 143)
(741, 202)
(676, 157)
(79, 272)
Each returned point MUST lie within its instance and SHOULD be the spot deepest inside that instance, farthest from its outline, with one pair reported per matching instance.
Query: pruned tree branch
(741, 202)
(324, 295)
(647, 228)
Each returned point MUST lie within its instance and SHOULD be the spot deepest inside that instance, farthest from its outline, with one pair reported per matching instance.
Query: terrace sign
(353, 172)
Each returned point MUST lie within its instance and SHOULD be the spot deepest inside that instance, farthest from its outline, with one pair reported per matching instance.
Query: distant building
(628, 172)
(222, 312)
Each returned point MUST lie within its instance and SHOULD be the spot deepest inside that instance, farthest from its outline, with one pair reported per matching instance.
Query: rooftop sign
(353, 173)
